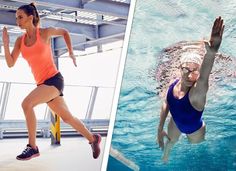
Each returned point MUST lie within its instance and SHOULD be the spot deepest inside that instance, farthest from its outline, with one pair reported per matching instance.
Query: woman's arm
(163, 115)
(10, 57)
(211, 49)
(62, 32)
(160, 132)
(199, 91)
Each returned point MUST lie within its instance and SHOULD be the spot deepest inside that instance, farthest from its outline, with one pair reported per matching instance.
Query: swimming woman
(186, 97)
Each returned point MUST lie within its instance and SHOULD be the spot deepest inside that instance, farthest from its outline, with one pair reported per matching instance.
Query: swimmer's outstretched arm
(160, 132)
(201, 87)
(11, 57)
(211, 49)
(61, 32)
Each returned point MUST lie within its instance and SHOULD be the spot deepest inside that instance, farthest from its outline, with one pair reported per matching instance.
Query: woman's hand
(5, 37)
(160, 138)
(72, 56)
(216, 35)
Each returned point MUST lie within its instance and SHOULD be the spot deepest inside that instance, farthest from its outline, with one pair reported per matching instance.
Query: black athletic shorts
(56, 81)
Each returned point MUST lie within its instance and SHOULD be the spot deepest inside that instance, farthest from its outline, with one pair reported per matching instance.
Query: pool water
(157, 25)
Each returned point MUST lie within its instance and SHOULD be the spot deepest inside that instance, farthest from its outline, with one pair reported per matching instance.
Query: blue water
(156, 25)
(116, 165)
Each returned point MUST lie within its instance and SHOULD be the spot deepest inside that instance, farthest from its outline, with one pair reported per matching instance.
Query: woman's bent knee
(27, 105)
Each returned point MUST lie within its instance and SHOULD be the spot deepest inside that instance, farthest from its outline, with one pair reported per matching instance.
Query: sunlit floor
(74, 154)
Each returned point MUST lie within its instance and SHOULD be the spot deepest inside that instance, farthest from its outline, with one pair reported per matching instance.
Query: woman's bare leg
(198, 136)
(59, 106)
(173, 134)
(41, 94)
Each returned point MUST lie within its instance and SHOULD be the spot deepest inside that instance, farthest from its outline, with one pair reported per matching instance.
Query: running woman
(35, 48)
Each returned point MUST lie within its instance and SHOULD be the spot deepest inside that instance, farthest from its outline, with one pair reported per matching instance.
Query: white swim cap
(190, 57)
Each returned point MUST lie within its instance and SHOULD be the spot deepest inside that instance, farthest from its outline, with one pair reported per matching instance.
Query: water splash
(169, 61)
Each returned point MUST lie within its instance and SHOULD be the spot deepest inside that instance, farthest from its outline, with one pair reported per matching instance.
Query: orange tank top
(40, 59)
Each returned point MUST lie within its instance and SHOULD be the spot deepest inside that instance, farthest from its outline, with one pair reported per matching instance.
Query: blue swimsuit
(186, 118)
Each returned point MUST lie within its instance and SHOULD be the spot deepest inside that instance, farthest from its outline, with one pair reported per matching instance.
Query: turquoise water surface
(156, 25)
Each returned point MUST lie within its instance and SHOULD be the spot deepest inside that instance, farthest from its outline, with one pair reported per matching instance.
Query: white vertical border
(118, 85)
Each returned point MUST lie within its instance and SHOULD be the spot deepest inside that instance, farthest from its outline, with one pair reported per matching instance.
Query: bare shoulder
(43, 31)
(200, 87)
(52, 31)
(197, 97)
(44, 34)
(46, 31)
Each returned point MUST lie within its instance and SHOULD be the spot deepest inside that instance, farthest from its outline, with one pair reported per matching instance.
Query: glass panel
(17, 94)
(98, 69)
(103, 103)
(77, 99)
(19, 73)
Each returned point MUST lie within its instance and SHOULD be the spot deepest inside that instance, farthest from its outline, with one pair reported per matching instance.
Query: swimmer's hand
(5, 36)
(72, 56)
(160, 138)
(216, 35)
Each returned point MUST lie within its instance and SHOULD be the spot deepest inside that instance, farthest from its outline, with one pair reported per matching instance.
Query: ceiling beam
(59, 42)
(83, 35)
(73, 28)
(75, 5)
(106, 6)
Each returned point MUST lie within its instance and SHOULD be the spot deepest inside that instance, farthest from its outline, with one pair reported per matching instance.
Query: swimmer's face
(190, 73)
(22, 19)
